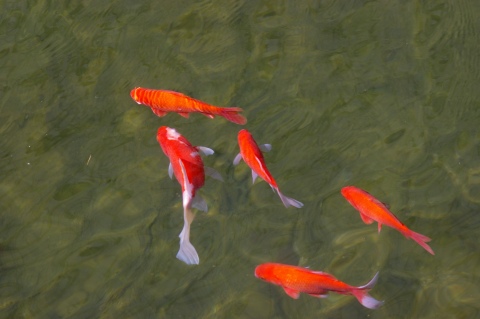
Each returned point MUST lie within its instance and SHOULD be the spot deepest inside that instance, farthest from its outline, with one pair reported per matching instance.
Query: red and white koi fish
(294, 280)
(163, 101)
(187, 166)
(371, 209)
(252, 155)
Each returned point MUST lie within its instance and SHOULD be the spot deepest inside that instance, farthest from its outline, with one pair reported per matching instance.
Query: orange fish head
(162, 133)
(244, 137)
(347, 189)
(349, 192)
(267, 272)
(133, 94)
(242, 133)
(162, 129)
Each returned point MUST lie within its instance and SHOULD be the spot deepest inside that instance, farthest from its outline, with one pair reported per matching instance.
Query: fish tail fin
(287, 201)
(231, 114)
(421, 240)
(370, 284)
(187, 252)
(366, 300)
(361, 293)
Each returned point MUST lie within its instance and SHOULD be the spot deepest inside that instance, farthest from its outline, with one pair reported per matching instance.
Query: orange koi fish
(294, 280)
(187, 166)
(372, 210)
(162, 101)
(252, 155)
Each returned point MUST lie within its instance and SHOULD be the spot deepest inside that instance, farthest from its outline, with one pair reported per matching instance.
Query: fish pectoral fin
(292, 292)
(213, 173)
(321, 294)
(210, 116)
(367, 220)
(265, 147)
(205, 150)
(158, 112)
(199, 203)
(185, 115)
(379, 227)
(237, 159)
(170, 170)
(254, 176)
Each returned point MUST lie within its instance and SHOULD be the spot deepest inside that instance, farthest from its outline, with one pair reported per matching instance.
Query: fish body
(163, 101)
(177, 148)
(371, 209)
(188, 168)
(295, 280)
(251, 153)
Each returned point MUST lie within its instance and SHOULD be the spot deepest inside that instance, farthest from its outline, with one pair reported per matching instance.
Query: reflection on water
(381, 96)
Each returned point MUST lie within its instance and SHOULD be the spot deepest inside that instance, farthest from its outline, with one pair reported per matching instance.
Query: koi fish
(294, 280)
(372, 210)
(162, 101)
(252, 155)
(187, 166)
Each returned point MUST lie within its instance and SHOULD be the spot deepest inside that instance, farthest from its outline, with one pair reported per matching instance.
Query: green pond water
(382, 95)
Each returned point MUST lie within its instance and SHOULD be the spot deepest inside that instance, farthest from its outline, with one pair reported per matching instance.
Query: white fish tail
(361, 293)
(187, 252)
(287, 201)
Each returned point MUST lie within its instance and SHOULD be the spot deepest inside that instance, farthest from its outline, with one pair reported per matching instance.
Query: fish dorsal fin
(199, 203)
(367, 220)
(185, 115)
(292, 292)
(324, 274)
(237, 159)
(213, 173)
(175, 93)
(261, 166)
(187, 186)
(170, 170)
(158, 112)
(379, 203)
(265, 147)
(205, 150)
(254, 176)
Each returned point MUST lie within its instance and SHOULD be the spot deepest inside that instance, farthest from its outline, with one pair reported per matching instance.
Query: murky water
(378, 94)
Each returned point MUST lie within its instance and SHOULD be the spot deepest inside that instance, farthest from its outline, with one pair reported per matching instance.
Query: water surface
(381, 95)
